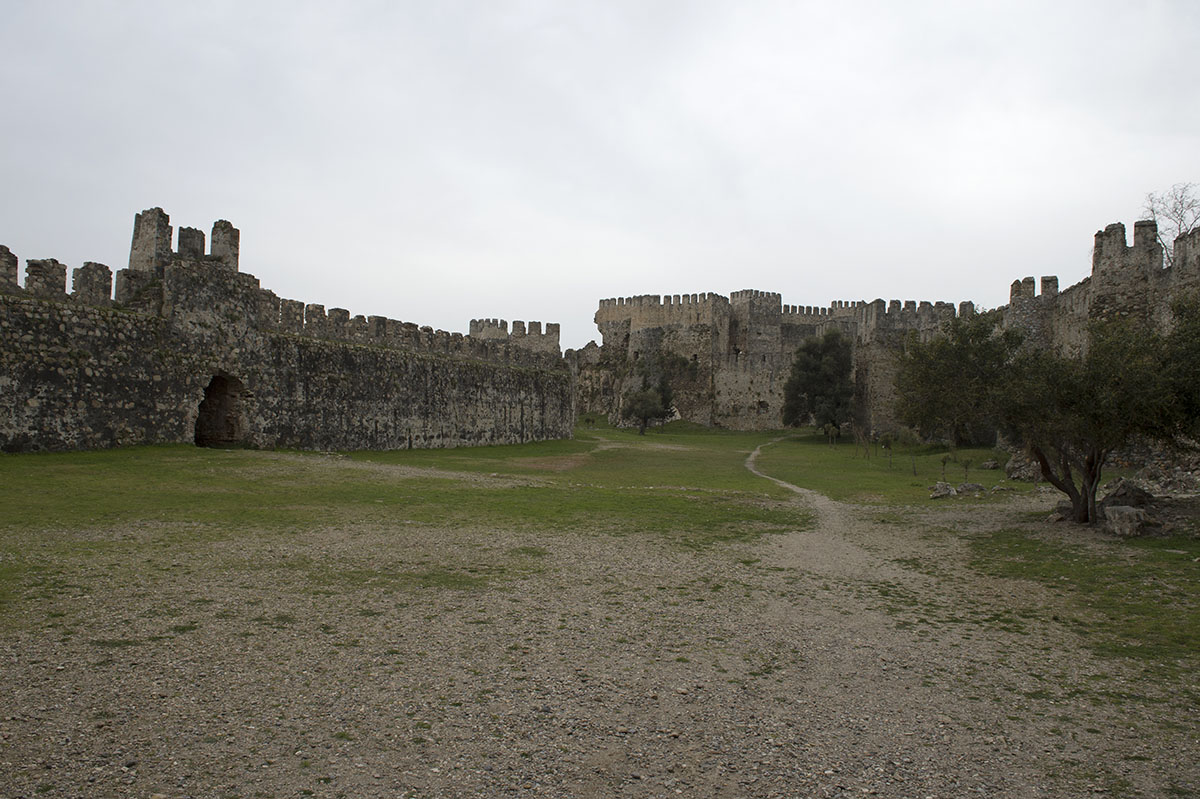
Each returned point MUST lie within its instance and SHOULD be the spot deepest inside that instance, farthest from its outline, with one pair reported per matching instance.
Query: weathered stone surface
(1125, 521)
(1125, 493)
(740, 349)
(192, 351)
(46, 278)
(1022, 467)
(92, 284)
(192, 317)
(970, 488)
(8, 269)
(942, 490)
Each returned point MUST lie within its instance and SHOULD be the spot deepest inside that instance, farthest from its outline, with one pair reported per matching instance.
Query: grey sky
(439, 161)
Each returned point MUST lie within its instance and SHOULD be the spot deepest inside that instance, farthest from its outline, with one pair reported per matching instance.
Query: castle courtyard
(474, 627)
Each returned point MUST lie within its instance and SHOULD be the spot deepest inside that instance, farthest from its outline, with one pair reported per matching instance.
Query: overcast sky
(442, 161)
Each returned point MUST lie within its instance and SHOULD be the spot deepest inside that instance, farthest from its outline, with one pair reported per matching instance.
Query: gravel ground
(861, 657)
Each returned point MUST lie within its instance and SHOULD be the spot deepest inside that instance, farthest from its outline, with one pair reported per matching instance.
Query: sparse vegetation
(382, 606)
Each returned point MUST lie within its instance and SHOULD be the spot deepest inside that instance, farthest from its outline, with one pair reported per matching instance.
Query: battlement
(747, 295)
(312, 320)
(654, 300)
(808, 314)
(1187, 255)
(881, 318)
(531, 338)
(489, 328)
(1112, 257)
(1026, 288)
(653, 310)
(46, 278)
(157, 274)
(150, 249)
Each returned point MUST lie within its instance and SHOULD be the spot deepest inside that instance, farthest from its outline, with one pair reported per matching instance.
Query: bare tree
(1176, 211)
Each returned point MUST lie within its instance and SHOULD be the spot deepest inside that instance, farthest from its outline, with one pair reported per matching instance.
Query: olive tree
(947, 386)
(1072, 413)
(820, 387)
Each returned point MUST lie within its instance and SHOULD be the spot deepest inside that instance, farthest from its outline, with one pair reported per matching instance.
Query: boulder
(1125, 493)
(1022, 467)
(1125, 521)
(989, 464)
(971, 488)
(942, 490)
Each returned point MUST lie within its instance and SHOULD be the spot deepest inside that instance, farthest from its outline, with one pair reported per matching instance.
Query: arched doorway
(221, 421)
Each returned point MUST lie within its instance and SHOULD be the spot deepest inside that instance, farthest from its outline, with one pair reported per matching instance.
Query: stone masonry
(742, 347)
(192, 350)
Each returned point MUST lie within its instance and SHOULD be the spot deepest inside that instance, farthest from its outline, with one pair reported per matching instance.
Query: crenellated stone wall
(743, 346)
(182, 346)
(191, 349)
(1127, 281)
(529, 338)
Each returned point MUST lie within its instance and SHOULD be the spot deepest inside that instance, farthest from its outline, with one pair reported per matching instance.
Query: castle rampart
(741, 349)
(131, 357)
(1127, 281)
(87, 370)
(531, 339)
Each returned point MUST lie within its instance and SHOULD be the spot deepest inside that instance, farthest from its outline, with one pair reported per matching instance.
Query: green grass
(687, 484)
(843, 473)
(1135, 599)
(71, 518)
(678, 455)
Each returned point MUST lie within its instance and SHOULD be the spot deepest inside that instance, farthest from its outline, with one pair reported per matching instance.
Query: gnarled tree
(1073, 413)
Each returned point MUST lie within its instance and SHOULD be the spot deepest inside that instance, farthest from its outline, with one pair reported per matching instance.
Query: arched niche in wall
(221, 421)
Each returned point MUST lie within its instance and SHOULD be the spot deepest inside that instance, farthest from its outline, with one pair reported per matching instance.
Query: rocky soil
(861, 657)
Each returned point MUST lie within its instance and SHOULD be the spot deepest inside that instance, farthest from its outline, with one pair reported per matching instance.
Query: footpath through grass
(692, 484)
(846, 473)
(71, 517)
(67, 516)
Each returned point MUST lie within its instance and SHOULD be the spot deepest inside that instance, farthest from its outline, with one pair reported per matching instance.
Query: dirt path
(862, 656)
(827, 548)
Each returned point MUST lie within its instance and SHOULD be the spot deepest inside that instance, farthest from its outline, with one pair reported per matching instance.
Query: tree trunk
(1083, 498)
(642, 427)
(1093, 465)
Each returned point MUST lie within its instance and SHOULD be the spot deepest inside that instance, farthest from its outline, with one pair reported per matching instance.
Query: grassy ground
(1135, 599)
(173, 532)
(682, 482)
(69, 515)
(845, 473)
(691, 485)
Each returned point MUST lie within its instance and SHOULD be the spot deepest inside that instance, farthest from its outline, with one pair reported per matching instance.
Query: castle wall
(740, 350)
(744, 352)
(187, 333)
(743, 348)
(78, 371)
(1128, 281)
(528, 337)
